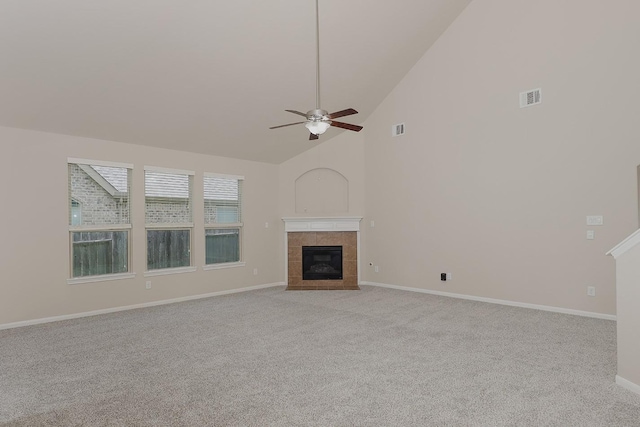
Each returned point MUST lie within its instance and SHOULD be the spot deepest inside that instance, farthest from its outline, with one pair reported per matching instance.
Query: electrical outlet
(448, 276)
(373, 223)
(266, 225)
(591, 234)
(148, 284)
(377, 269)
(591, 291)
(255, 271)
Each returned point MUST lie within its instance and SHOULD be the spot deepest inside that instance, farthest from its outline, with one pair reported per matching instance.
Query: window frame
(71, 280)
(225, 225)
(189, 226)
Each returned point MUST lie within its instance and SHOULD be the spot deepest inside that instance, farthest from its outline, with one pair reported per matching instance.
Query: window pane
(167, 198)
(227, 215)
(222, 245)
(99, 252)
(98, 195)
(222, 200)
(168, 249)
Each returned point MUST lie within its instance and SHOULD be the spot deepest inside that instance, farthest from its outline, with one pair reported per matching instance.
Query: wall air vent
(397, 130)
(530, 97)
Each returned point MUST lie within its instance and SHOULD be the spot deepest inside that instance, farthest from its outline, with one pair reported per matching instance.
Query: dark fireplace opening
(322, 263)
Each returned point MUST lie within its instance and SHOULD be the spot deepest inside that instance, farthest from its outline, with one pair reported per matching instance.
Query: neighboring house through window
(223, 218)
(168, 217)
(76, 213)
(99, 218)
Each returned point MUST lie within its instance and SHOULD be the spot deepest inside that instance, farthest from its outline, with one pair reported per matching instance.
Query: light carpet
(376, 357)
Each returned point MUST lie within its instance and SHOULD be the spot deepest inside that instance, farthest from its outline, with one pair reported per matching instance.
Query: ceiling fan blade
(347, 112)
(290, 124)
(313, 136)
(355, 128)
(297, 112)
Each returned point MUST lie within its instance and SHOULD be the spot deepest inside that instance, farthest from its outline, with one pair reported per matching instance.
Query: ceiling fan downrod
(319, 120)
(317, 57)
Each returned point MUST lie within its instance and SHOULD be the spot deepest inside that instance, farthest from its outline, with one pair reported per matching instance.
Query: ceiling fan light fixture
(317, 127)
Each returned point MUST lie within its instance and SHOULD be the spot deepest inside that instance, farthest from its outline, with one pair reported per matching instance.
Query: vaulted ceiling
(205, 76)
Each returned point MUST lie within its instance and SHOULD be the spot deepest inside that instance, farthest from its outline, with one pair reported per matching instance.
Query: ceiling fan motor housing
(317, 115)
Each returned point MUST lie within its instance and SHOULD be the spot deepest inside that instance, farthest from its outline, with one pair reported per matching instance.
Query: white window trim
(100, 278)
(224, 176)
(106, 227)
(99, 163)
(168, 271)
(214, 225)
(168, 170)
(160, 226)
(223, 265)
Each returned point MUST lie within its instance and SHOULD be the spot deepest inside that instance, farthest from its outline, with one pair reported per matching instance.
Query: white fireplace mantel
(306, 224)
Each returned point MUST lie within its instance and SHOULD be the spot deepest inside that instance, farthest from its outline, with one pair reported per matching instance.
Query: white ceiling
(205, 76)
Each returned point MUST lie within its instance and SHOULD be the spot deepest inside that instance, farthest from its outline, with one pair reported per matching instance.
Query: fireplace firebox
(322, 263)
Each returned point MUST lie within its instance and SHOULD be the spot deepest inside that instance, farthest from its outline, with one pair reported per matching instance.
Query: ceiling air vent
(530, 97)
(397, 130)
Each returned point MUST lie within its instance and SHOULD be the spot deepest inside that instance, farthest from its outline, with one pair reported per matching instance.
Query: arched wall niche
(322, 191)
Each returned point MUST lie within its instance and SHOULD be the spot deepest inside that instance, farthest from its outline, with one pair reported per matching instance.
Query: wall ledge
(133, 307)
(625, 245)
(301, 224)
(499, 301)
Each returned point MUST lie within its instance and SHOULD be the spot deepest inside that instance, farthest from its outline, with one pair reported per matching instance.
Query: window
(223, 218)
(99, 218)
(168, 217)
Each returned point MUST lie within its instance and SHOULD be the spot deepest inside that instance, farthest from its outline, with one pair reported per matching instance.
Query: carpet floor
(375, 357)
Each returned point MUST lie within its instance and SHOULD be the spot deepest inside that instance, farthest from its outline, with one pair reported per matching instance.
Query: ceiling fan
(319, 120)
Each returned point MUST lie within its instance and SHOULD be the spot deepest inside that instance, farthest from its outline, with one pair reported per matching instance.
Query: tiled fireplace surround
(343, 232)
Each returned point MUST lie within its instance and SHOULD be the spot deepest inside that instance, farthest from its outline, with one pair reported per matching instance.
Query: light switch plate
(595, 220)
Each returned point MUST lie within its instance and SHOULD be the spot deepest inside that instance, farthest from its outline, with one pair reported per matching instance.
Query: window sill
(101, 278)
(168, 271)
(223, 265)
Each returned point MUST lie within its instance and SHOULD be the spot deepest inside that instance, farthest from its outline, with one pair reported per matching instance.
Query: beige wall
(495, 194)
(34, 257)
(628, 288)
(343, 154)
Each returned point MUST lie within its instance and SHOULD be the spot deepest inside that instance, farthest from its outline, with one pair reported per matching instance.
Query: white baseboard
(627, 384)
(498, 301)
(133, 307)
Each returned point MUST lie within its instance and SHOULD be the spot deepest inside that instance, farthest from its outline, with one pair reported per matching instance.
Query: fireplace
(322, 263)
(322, 253)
